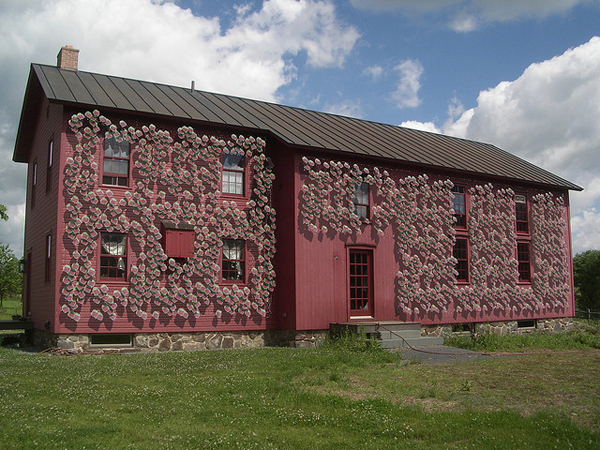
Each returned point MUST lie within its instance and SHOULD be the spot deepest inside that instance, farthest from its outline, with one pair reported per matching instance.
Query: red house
(161, 217)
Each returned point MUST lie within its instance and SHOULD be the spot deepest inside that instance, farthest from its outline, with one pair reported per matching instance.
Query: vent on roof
(68, 58)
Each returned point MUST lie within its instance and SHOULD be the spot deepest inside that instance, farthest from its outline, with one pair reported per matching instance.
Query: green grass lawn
(11, 306)
(333, 397)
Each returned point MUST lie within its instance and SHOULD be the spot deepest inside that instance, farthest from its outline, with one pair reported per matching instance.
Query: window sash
(47, 266)
(113, 259)
(461, 254)
(524, 260)
(233, 174)
(33, 183)
(233, 260)
(49, 166)
(233, 182)
(522, 216)
(459, 205)
(116, 162)
(361, 200)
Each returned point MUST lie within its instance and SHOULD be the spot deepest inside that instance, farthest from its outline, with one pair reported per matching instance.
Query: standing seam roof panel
(339, 139)
(185, 102)
(373, 142)
(296, 126)
(162, 97)
(77, 87)
(402, 150)
(101, 98)
(137, 103)
(59, 87)
(290, 116)
(211, 103)
(388, 147)
(266, 112)
(141, 87)
(231, 107)
(203, 105)
(260, 120)
(428, 145)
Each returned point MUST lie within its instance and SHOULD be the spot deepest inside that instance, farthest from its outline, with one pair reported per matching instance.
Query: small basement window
(526, 324)
(113, 340)
(462, 327)
(178, 239)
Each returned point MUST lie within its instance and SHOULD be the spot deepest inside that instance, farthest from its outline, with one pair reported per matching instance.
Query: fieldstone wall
(502, 328)
(165, 342)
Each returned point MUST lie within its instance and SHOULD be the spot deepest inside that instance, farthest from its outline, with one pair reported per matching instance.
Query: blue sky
(521, 74)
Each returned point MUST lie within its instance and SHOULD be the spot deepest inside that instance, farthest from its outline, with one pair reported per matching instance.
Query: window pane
(361, 195)
(233, 260)
(233, 182)
(123, 166)
(108, 165)
(233, 162)
(458, 203)
(362, 211)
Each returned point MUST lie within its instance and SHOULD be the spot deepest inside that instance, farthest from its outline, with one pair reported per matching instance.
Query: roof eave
(29, 118)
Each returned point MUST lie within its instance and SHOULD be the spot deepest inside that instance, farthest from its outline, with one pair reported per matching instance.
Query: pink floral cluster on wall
(176, 179)
(418, 213)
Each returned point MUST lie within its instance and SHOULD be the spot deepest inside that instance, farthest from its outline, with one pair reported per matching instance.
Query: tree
(3, 215)
(586, 270)
(10, 278)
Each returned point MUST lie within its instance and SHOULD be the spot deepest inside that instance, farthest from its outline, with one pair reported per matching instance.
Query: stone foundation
(164, 342)
(502, 328)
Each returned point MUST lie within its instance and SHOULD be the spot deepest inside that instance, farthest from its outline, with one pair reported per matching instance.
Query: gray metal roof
(294, 126)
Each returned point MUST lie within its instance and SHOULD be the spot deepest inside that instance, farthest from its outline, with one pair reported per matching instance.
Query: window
(49, 167)
(233, 174)
(113, 255)
(116, 162)
(47, 265)
(523, 258)
(111, 340)
(233, 260)
(459, 205)
(521, 214)
(361, 200)
(33, 183)
(461, 253)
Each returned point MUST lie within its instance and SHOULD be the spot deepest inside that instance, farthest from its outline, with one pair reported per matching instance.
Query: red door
(361, 283)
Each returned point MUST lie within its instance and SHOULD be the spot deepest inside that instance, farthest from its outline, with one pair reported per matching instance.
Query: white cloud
(159, 41)
(469, 15)
(406, 94)
(464, 22)
(549, 116)
(423, 126)
(585, 228)
(350, 108)
(374, 72)
(403, 5)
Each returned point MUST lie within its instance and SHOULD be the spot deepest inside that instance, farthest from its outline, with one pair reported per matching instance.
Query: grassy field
(11, 306)
(339, 396)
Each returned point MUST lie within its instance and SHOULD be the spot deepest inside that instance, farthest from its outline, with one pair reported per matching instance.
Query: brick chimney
(67, 58)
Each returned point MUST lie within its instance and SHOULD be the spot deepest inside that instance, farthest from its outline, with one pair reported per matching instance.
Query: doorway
(360, 289)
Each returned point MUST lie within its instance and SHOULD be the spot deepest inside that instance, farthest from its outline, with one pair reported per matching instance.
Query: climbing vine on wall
(419, 214)
(550, 260)
(178, 179)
